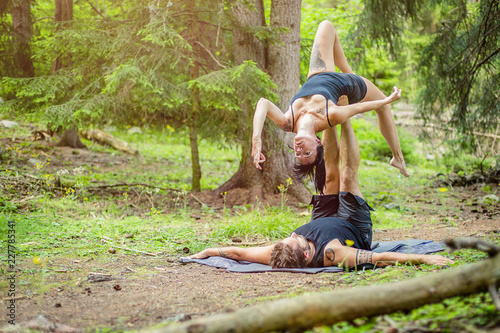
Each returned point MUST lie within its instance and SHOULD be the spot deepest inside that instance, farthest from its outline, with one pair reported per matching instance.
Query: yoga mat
(415, 246)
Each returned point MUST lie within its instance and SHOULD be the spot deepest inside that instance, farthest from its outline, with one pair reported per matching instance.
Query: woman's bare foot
(401, 165)
(343, 100)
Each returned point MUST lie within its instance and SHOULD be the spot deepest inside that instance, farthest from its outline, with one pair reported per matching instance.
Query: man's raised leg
(349, 157)
(331, 148)
(352, 207)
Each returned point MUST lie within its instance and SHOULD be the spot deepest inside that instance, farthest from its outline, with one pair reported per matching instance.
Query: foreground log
(304, 312)
(105, 138)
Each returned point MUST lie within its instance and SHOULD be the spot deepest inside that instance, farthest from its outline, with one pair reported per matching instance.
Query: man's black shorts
(347, 206)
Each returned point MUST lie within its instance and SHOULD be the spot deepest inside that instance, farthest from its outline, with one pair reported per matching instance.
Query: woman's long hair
(316, 170)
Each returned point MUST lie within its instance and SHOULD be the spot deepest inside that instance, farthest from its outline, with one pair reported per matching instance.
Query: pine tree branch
(210, 53)
(96, 10)
(488, 58)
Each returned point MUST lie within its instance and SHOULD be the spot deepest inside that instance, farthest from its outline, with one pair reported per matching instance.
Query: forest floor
(145, 291)
(151, 291)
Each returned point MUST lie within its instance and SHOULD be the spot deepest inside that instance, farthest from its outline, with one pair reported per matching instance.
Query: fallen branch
(110, 140)
(100, 274)
(132, 250)
(245, 244)
(332, 307)
(199, 201)
(473, 243)
(133, 184)
(442, 128)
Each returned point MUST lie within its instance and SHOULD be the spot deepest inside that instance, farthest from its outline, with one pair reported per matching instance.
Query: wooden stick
(245, 244)
(473, 243)
(138, 251)
(99, 274)
(201, 202)
(133, 184)
(444, 129)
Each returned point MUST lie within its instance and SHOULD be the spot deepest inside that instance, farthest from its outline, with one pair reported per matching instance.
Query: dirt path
(140, 295)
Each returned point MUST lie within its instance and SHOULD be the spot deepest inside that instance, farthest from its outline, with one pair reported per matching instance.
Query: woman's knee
(327, 26)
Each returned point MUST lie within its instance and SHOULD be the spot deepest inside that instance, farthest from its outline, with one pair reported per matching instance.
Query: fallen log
(300, 313)
(110, 140)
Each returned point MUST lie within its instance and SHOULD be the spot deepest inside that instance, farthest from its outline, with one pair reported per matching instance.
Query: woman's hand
(432, 259)
(257, 155)
(394, 96)
(200, 255)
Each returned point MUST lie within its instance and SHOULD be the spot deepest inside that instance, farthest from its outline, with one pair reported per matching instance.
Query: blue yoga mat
(415, 246)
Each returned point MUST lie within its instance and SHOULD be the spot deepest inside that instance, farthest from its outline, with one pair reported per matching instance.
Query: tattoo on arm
(364, 257)
(224, 254)
(330, 255)
(316, 62)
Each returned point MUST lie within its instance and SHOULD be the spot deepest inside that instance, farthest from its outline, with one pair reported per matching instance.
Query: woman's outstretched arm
(339, 114)
(259, 255)
(266, 108)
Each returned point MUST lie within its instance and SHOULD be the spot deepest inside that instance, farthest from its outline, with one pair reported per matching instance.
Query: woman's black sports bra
(332, 85)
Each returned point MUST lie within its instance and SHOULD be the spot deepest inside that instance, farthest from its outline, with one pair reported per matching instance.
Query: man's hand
(257, 155)
(394, 96)
(200, 255)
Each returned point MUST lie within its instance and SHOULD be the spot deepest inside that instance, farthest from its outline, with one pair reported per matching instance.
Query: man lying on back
(340, 232)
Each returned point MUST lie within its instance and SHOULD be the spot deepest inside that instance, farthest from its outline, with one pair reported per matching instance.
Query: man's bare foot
(343, 100)
(400, 164)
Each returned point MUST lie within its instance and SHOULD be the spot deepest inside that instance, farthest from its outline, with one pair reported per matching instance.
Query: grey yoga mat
(415, 246)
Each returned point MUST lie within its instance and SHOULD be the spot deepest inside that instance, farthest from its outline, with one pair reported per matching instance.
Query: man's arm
(259, 255)
(335, 254)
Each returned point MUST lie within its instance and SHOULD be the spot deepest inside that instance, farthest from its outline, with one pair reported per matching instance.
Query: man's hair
(316, 170)
(285, 256)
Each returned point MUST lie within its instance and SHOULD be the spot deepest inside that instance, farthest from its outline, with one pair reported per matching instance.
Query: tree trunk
(71, 139)
(195, 102)
(329, 308)
(279, 164)
(22, 30)
(195, 156)
(64, 13)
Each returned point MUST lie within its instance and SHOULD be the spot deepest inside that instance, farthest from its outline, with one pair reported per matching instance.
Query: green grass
(269, 224)
(52, 226)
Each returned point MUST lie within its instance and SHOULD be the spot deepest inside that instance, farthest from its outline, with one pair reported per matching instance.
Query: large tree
(22, 30)
(277, 51)
(16, 30)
